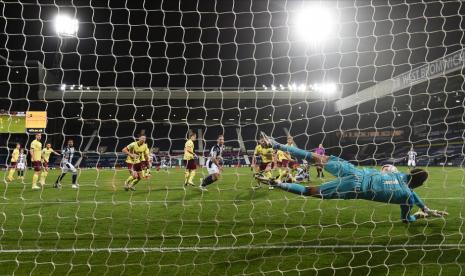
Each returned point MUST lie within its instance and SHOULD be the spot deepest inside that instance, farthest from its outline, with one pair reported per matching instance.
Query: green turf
(231, 229)
(12, 124)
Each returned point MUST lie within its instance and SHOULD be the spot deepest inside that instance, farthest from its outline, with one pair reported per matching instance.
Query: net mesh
(167, 68)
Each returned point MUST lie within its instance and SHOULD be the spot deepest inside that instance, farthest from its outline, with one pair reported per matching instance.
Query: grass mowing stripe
(227, 248)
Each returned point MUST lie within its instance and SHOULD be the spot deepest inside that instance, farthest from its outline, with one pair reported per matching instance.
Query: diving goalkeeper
(388, 185)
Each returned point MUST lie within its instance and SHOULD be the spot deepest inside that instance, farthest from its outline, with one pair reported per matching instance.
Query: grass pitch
(162, 229)
(12, 124)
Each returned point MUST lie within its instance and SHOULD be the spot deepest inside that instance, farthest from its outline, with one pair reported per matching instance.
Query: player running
(22, 164)
(189, 160)
(369, 184)
(36, 157)
(136, 151)
(66, 165)
(46, 152)
(267, 163)
(412, 156)
(13, 162)
(214, 163)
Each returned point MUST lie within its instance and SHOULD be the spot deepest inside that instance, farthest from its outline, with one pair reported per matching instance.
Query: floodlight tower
(66, 27)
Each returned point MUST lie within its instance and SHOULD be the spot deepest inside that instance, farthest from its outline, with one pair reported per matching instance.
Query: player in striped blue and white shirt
(66, 165)
(214, 163)
(412, 156)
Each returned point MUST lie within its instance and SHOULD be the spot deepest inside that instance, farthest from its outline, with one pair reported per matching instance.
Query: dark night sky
(230, 43)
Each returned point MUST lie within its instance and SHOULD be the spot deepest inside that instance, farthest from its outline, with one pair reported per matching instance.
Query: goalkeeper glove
(426, 212)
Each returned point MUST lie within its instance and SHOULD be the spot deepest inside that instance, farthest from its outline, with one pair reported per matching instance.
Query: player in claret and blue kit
(387, 185)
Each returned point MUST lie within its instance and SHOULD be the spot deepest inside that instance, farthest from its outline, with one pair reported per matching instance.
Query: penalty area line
(230, 248)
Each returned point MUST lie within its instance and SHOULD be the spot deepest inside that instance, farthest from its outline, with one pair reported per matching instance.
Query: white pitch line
(186, 201)
(229, 248)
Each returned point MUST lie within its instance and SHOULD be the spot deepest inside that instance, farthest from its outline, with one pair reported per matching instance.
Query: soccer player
(267, 163)
(283, 159)
(67, 165)
(189, 161)
(163, 164)
(13, 162)
(146, 163)
(319, 167)
(214, 163)
(412, 156)
(46, 152)
(21, 165)
(369, 184)
(36, 156)
(135, 151)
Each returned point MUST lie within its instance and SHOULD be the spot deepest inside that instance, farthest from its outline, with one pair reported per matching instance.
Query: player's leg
(414, 164)
(44, 174)
(11, 171)
(137, 175)
(192, 167)
(74, 176)
(130, 178)
(35, 178)
(213, 176)
(341, 188)
(64, 170)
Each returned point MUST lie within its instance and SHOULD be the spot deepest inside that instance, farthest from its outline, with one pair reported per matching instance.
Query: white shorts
(212, 168)
(21, 166)
(411, 163)
(65, 167)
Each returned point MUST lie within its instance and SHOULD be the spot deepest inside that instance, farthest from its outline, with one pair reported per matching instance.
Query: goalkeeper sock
(293, 188)
(43, 176)
(35, 178)
(74, 178)
(191, 177)
(207, 181)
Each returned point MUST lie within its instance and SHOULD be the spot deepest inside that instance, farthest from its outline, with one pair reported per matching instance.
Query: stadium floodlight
(302, 87)
(264, 87)
(315, 23)
(281, 87)
(66, 26)
(273, 87)
(325, 88)
(63, 87)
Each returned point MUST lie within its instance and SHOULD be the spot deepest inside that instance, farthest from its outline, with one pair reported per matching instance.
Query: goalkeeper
(389, 186)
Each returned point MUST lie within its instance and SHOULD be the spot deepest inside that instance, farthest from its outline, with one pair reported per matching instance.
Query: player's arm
(31, 152)
(127, 149)
(54, 152)
(424, 211)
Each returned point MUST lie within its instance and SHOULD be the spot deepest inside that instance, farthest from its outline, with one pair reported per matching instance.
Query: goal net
(368, 80)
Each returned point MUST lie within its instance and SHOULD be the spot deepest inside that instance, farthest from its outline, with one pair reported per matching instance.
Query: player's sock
(186, 176)
(11, 173)
(60, 178)
(282, 174)
(207, 181)
(43, 176)
(128, 180)
(134, 182)
(191, 177)
(35, 178)
(268, 174)
(300, 153)
(293, 188)
(74, 178)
